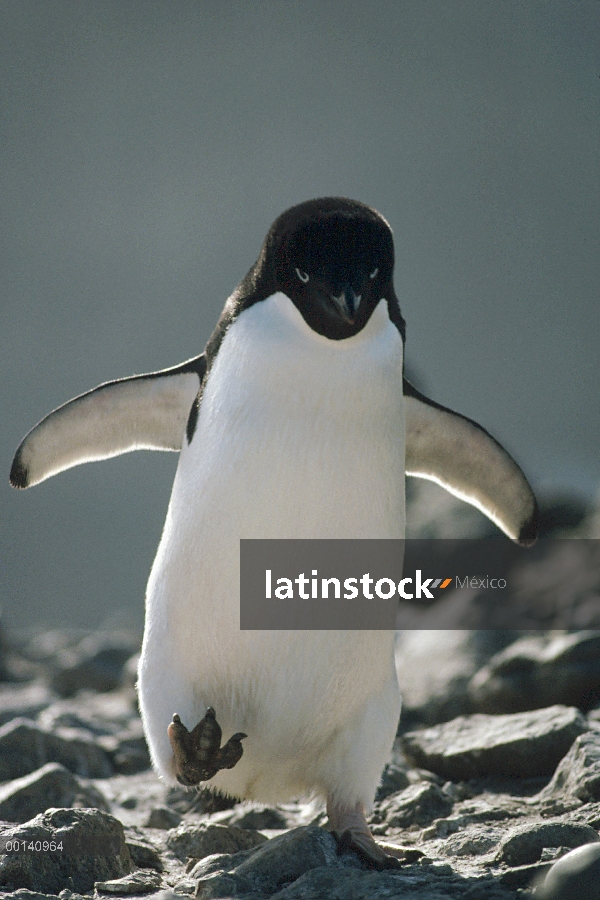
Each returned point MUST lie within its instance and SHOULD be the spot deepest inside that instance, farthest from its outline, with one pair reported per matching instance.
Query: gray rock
(143, 853)
(129, 675)
(524, 844)
(426, 882)
(128, 750)
(171, 895)
(524, 744)
(50, 786)
(24, 894)
(575, 876)
(164, 818)
(258, 818)
(25, 700)
(140, 882)
(394, 779)
(96, 663)
(535, 672)
(418, 804)
(46, 644)
(273, 865)
(100, 714)
(578, 774)
(68, 714)
(93, 845)
(198, 841)
(25, 747)
(475, 841)
(435, 668)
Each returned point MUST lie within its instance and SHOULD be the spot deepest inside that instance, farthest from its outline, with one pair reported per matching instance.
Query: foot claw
(368, 850)
(350, 828)
(198, 753)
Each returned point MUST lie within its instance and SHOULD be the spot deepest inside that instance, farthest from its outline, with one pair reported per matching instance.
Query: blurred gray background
(146, 148)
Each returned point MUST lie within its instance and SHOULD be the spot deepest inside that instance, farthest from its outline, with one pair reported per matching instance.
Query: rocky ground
(493, 784)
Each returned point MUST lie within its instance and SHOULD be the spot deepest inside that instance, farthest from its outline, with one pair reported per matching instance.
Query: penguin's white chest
(297, 436)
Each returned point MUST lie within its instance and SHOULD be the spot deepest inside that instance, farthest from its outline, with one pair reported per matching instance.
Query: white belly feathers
(298, 436)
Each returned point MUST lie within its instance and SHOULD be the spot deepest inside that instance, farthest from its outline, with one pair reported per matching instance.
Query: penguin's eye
(302, 275)
(374, 272)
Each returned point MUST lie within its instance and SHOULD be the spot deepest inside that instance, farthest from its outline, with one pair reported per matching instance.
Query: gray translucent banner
(387, 584)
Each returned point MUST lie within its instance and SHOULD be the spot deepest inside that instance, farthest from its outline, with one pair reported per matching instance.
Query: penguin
(295, 422)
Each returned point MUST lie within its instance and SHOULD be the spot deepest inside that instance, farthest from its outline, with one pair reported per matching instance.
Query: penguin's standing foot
(351, 831)
(198, 754)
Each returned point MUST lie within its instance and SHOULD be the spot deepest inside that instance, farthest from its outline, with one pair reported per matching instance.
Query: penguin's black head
(334, 259)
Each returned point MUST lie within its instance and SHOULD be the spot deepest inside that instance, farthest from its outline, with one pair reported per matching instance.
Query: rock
(101, 714)
(50, 786)
(534, 673)
(575, 876)
(129, 674)
(198, 841)
(25, 894)
(275, 864)
(414, 883)
(96, 663)
(127, 750)
(258, 818)
(163, 817)
(171, 895)
(561, 513)
(204, 801)
(524, 744)
(578, 774)
(27, 701)
(25, 747)
(418, 804)
(394, 779)
(140, 882)
(93, 845)
(46, 644)
(524, 844)
(557, 587)
(474, 841)
(435, 668)
(67, 714)
(143, 853)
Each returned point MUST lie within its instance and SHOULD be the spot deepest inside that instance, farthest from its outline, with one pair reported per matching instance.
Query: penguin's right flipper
(144, 412)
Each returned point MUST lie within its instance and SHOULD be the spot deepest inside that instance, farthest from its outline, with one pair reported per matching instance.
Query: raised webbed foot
(351, 831)
(198, 753)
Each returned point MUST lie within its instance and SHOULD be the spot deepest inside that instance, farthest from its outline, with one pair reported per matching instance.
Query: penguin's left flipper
(462, 457)
(145, 412)
(198, 754)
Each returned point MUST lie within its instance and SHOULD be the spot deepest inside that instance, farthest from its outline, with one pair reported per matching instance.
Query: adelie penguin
(295, 422)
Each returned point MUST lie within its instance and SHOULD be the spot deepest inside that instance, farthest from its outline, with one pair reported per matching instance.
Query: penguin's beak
(347, 303)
